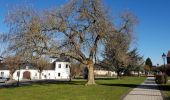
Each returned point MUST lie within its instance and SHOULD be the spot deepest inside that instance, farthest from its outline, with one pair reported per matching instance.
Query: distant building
(167, 66)
(102, 70)
(168, 57)
(59, 70)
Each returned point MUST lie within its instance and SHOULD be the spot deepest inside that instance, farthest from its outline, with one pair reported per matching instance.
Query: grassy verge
(166, 89)
(107, 89)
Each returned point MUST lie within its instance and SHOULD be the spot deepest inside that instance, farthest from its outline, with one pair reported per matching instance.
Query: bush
(161, 78)
(166, 78)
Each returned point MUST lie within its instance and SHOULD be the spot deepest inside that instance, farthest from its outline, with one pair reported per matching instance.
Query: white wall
(104, 72)
(64, 72)
(6, 73)
(46, 74)
(32, 74)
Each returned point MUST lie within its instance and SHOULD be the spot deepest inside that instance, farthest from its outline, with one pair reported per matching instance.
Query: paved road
(146, 91)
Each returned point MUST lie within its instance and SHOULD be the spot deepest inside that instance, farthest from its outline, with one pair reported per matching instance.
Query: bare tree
(40, 64)
(25, 36)
(76, 69)
(78, 29)
(117, 44)
(83, 24)
(136, 61)
(13, 63)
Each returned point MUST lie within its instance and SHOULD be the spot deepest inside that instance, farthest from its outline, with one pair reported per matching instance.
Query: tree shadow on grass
(80, 82)
(165, 88)
(57, 82)
(133, 86)
(103, 78)
(148, 85)
(44, 83)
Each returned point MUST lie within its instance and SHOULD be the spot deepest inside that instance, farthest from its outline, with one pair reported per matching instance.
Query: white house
(104, 73)
(60, 71)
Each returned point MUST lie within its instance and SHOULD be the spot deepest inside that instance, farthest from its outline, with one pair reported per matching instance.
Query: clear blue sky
(152, 32)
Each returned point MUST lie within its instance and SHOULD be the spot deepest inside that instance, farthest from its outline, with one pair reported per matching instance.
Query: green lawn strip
(166, 89)
(111, 89)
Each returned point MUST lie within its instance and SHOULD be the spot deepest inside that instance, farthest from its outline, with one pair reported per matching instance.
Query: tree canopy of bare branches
(26, 37)
(78, 30)
(118, 43)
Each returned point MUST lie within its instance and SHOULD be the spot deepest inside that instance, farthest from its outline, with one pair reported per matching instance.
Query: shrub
(161, 78)
(166, 78)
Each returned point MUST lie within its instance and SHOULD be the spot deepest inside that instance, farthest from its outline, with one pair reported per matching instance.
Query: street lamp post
(18, 74)
(164, 57)
(164, 69)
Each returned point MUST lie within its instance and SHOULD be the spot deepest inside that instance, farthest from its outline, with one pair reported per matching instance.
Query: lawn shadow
(133, 86)
(165, 88)
(167, 98)
(105, 78)
(58, 82)
(44, 83)
(80, 82)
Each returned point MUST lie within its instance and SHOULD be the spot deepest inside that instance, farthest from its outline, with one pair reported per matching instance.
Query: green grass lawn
(166, 89)
(107, 89)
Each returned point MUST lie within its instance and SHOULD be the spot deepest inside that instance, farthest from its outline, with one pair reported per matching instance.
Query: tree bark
(90, 67)
(138, 74)
(11, 76)
(117, 74)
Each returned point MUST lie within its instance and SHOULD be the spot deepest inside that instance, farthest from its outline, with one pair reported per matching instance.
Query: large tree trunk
(11, 76)
(138, 73)
(90, 67)
(117, 74)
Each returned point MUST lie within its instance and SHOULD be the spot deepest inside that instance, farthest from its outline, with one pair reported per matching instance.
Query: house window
(45, 76)
(35, 74)
(2, 74)
(49, 74)
(66, 65)
(58, 74)
(59, 65)
(27, 67)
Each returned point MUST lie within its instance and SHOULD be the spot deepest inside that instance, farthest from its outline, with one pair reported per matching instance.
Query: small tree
(76, 70)
(40, 64)
(118, 43)
(136, 61)
(149, 63)
(13, 63)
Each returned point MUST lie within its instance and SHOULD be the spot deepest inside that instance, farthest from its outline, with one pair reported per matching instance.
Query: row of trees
(81, 29)
(124, 62)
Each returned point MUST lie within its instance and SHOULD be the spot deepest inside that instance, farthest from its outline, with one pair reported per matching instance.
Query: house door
(26, 75)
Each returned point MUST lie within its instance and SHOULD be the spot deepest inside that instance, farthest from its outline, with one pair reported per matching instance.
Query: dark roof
(3, 66)
(168, 55)
(31, 66)
(62, 59)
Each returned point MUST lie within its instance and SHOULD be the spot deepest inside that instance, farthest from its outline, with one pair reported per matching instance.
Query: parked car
(3, 79)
